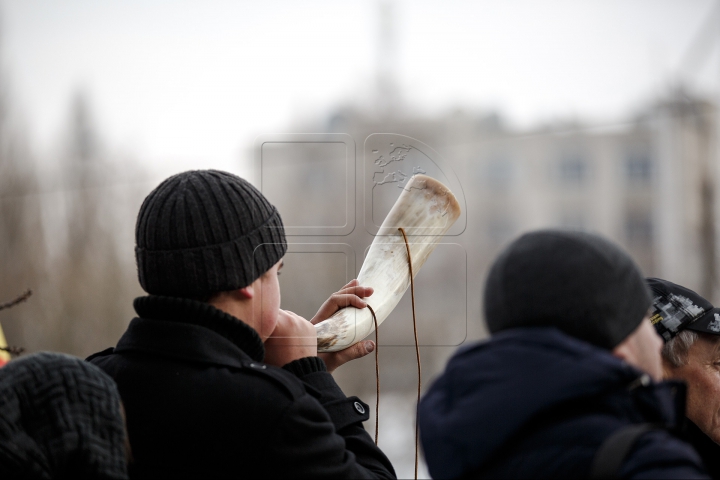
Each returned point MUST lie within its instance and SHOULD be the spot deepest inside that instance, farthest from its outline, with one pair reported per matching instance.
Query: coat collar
(190, 316)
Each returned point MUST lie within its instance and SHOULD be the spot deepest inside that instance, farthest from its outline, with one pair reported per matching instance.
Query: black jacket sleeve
(322, 436)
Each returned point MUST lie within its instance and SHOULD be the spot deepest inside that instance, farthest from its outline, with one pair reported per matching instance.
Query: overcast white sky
(190, 83)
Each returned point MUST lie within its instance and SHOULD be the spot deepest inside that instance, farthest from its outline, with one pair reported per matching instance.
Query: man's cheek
(271, 322)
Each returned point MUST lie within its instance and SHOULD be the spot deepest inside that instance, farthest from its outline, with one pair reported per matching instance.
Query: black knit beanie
(205, 231)
(579, 283)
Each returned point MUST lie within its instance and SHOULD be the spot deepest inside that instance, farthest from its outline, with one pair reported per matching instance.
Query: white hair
(675, 352)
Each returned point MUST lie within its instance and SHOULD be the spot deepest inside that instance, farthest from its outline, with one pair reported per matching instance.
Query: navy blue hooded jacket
(537, 403)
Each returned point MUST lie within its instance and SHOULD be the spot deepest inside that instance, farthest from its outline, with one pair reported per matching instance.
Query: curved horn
(426, 209)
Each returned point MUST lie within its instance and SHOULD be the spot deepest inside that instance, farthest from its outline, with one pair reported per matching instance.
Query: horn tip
(436, 187)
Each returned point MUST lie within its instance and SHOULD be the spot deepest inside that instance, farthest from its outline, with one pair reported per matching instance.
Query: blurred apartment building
(648, 183)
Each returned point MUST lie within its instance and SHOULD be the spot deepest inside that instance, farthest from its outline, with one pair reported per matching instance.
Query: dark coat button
(360, 409)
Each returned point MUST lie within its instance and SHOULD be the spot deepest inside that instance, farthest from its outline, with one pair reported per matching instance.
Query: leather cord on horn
(377, 378)
(417, 350)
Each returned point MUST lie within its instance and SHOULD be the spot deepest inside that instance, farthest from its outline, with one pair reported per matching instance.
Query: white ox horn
(426, 209)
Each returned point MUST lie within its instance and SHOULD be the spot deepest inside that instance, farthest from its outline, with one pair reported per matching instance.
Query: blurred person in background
(690, 326)
(60, 418)
(217, 380)
(566, 387)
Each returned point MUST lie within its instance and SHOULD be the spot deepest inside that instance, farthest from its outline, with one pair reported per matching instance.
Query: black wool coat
(709, 451)
(537, 403)
(200, 403)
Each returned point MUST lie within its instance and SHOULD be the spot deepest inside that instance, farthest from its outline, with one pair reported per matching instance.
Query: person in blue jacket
(568, 385)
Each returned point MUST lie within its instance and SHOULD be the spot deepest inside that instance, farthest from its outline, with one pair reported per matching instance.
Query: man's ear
(246, 293)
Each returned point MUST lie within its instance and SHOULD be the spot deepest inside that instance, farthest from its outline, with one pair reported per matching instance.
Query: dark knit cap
(205, 231)
(577, 282)
(60, 418)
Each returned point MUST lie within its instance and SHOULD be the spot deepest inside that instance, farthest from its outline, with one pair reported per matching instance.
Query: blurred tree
(22, 243)
(62, 230)
(91, 285)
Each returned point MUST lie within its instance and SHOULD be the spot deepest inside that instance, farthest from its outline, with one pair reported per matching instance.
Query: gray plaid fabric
(59, 418)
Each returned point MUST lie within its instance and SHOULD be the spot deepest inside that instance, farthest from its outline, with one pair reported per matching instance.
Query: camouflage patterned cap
(676, 308)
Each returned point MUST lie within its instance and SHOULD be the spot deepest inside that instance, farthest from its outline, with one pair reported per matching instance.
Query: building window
(639, 167)
(573, 221)
(573, 170)
(500, 229)
(639, 228)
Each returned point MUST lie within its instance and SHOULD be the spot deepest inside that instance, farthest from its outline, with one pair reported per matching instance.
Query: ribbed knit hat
(205, 231)
(577, 282)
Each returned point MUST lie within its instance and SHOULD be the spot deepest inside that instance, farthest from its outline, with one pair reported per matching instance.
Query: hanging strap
(417, 354)
(613, 451)
(377, 377)
(417, 351)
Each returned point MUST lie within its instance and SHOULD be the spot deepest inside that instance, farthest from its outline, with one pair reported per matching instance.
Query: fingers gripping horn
(426, 209)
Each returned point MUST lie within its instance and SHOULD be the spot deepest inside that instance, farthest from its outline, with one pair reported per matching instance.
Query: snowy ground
(397, 431)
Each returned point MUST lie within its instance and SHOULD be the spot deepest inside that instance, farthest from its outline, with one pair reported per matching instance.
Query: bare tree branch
(17, 300)
(13, 350)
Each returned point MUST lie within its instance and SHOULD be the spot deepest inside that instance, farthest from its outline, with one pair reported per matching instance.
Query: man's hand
(293, 338)
(335, 359)
(350, 295)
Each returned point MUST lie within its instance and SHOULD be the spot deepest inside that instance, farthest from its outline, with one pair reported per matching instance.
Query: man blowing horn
(217, 380)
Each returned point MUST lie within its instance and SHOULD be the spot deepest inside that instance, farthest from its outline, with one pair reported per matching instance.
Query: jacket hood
(491, 390)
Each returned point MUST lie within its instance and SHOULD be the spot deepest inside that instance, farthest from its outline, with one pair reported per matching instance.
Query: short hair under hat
(676, 308)
(205, 231)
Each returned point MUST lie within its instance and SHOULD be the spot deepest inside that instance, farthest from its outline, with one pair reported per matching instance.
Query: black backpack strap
(612, 452)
